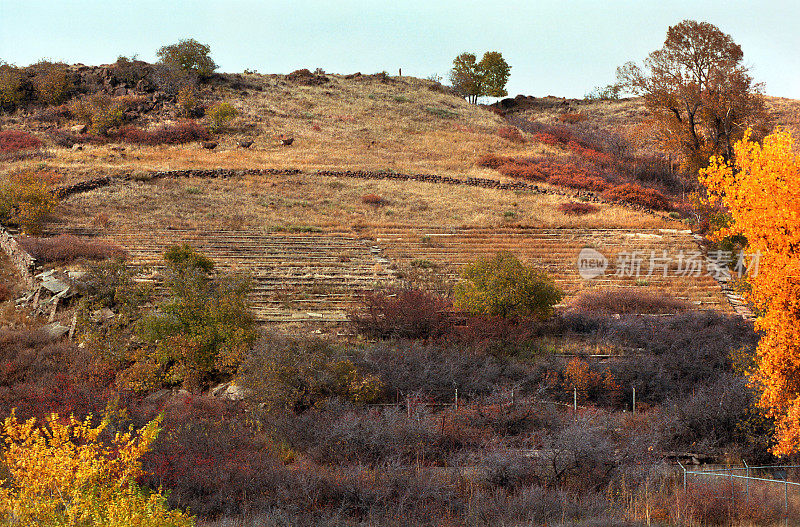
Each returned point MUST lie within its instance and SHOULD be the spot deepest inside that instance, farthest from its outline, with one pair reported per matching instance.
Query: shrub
(66, 248)
(220, 115)
(187, 100)
(521, 171)
(511, 133)
(636, 195)
(185, 132)
(188, 55)
(402, 313)
(62, 473)
(287, 375)
(572, 117)
(491, 161)
(14, 140)
(27, 198)
(202, 330)
(374, 199)
(574, 177)
(503, 286)
(626, 301)
(575, 208)
(131, 71)
(51, 82)
(99, 111)
(171, 79)
(11, 92)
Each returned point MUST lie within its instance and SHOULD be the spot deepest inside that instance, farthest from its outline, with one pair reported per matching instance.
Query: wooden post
(72, 325)
(456, 399)
(633, 409)
(53, 311)
(575, 401)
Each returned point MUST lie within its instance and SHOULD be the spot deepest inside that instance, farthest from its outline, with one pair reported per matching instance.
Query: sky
(563, 48)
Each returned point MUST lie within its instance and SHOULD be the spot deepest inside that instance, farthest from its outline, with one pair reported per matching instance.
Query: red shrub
(13, 140)
(491, 161)
(574, 178)
(67, 248)
(511, 133)
(402, 313)
(544, 137)
(185, 132)
(577, 209)
(522, 171)
(374, 199)
(636, 195)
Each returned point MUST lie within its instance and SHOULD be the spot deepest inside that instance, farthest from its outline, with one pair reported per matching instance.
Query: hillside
(311, 362)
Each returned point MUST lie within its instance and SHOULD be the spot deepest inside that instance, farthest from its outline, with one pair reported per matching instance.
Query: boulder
(78, 129)
(209, 145)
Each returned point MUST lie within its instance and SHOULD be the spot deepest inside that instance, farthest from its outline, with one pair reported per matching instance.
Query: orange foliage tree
(761, 189)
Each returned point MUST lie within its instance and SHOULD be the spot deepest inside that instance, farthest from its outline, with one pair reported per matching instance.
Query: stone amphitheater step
(319, 276)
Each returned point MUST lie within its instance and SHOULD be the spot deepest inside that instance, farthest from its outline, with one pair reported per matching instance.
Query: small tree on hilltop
(188, 55)
(504, 286)
(472, 79)
(701, 96)
(495, 72)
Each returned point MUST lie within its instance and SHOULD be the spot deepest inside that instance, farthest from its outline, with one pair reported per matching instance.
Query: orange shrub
(491, 161)
(374, 199)
(184, 132)
(548, 139)
(636, 195)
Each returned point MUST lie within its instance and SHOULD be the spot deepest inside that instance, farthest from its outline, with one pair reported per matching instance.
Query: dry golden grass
(403, 124)
(269, 202)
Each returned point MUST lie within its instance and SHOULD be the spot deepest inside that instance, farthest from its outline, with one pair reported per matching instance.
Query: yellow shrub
(62, 473)
(100, 112)
(220, 115)
(26, 198)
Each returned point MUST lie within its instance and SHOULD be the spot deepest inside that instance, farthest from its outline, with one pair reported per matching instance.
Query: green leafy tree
(203, 329)
(700, 94)
(494, 73)
(472, 79)
(188, 55)
(504, 286)
(465, 77)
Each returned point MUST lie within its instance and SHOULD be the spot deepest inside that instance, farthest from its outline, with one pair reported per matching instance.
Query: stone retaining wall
(23, 262)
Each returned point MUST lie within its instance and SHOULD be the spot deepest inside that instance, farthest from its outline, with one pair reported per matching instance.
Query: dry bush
(374, 199)
(51, 82)
(402, 313)
(41, 375)
(67, 139)
(100, 112)
(626, 301)
(67, 248)
(574, 177)
(573, 117)
(635, 195)
(437, 370)
(575, 208)
(14, 140)
(511, 133)
(27, 198)
(185, 132)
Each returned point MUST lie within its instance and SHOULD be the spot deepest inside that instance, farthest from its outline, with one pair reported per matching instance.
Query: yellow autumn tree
(63, 473)
(761, 190)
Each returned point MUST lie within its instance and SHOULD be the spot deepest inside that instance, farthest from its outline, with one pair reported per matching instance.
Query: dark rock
(209, 145)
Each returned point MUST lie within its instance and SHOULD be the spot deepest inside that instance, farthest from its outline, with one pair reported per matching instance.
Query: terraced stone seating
(556, 251)
(319, 276)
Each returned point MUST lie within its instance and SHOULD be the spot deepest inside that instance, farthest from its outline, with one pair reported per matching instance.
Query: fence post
(684, 475)
(575, 401)
(634, 401)
(747, 481)
(786, 500)
(456, 399)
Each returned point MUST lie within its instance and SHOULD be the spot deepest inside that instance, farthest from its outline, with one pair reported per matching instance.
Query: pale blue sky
(561, 48)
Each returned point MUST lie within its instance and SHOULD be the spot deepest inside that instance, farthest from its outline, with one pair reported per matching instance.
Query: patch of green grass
(441, 112)
(194, 190)
(509, 215)
(401, 98)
